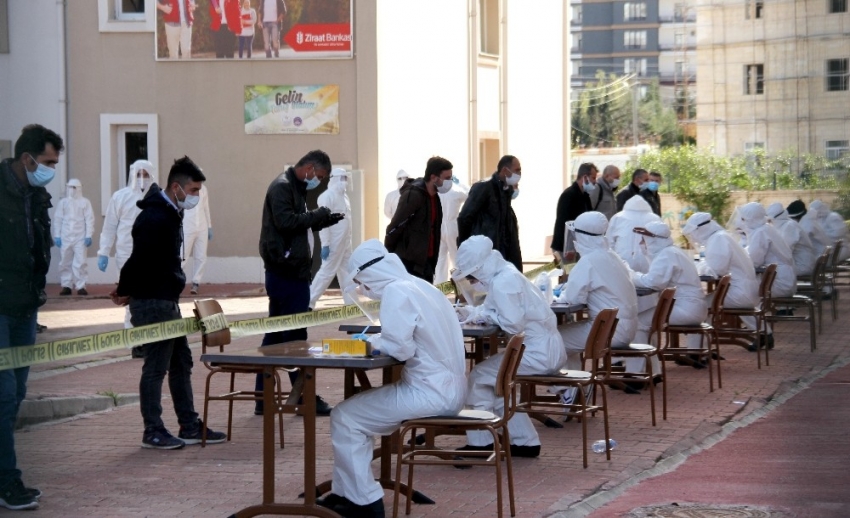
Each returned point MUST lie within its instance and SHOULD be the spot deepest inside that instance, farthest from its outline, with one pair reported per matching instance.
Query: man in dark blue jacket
(24, 259)
(151, 281)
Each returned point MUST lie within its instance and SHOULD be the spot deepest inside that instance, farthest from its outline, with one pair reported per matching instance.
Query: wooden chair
(837, 268)
(812, 285)
(596, 351)
(707, 334)
(759, 312)
(215, 341)
(647, 351)
(465, 421)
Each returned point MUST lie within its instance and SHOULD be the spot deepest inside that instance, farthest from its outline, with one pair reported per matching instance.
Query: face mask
(589, 187)
(144, 183)
(514, 194)
(513, 179)
(312, 183)
(615, 182)
(189, 202)
(445, 187)
(652, 186)
(42, 175)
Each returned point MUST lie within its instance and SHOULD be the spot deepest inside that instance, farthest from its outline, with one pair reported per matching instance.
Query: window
(836, 75)
(635, 66)
(577, 41)
(634, 11)
(837, 149)
(577, 12)
(488, 16)
(124, 138)
(753, 79)
(131, 10)
(837, 6)
(679, 12)
(753, 9)
(634, 39)
(681, 68)
(679, 39)
(750, 147)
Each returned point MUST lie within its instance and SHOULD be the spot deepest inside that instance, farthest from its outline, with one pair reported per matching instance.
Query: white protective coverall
(811, 224)
(765, 245)
(833, 226)
(419, 326)
(336, 238)
(601, 280)
(514, 304)
(636, 213)
(451, 202)
(798, 240)
(122, 211)
(671, 267)
(197, 232)
(723, 255)
(73, 223)
(391, 201)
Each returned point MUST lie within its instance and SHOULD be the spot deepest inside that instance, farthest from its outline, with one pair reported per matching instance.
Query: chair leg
(583, 411)
(397, 485)
(766, 349)
(712, 336)
(663, 386)
(605, 421)
(230, 407)
(510, 467)
(813, 335)
(717, 350)
(497, 460)
(206, 409)
(651, 387)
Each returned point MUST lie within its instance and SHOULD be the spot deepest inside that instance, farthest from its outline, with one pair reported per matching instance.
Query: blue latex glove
(102, 261)
(455, 179)
(87, 242)
(58, 242)
(326, 252)
(209, 234)
(376, 352)
(361, 336)
(556, 291)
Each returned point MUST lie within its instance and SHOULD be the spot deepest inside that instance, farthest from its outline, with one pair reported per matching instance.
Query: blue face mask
(314, 182)
(652, 186)
(42, 175)
(514, 194)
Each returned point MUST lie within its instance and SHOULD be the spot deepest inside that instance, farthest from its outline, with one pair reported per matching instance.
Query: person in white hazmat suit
(419, 327)
(73, 225)
(601, 280)
(833, 226)
(120, 215)
(451, 201)
(802, 251)
(336, 239)
(723, 255)
(514, 304)
(811, 224)
(669, 267)
(391, 201)
(636, 213)
(197, 233)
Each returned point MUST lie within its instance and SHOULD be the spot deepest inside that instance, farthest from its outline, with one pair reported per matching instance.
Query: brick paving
(93, 465)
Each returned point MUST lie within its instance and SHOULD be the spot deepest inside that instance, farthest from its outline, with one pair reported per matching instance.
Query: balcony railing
(691, 18)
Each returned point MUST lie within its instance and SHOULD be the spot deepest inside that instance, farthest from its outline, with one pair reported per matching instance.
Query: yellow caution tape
(28, 355)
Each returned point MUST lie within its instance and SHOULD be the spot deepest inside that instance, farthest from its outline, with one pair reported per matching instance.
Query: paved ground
(771, 437)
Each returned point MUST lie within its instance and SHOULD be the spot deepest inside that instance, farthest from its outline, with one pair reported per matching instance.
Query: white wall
(537, 130)
(422, 89)
(32, 78)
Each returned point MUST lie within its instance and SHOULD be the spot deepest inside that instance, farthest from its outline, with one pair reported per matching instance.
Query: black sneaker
(194, 436)
(345, 507)
(530, 452)
(15, 496)
(323, 409)
(82, 291)
(39, 328)
(65, 291)
(34, 491)
(161, 440)
(137, 352)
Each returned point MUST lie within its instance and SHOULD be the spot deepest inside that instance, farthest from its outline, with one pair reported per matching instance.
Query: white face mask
(615, 182)
(589, 187)
(144, 182)
(445, 187)
(513, 179)
(189, 202)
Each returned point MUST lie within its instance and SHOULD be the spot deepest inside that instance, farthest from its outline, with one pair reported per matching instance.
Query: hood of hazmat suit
(765, 245)
(122, 211)
(636, 213)
(802, 251)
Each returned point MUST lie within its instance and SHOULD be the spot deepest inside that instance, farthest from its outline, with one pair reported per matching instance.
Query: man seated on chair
(515, 305)
(601, 280)
(419, 327)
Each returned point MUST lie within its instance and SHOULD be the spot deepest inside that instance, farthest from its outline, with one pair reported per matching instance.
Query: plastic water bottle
(599, 446)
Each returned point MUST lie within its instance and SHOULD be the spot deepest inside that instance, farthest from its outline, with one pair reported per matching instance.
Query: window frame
(842, 77)
(758, 83)
(841, 146)
(836, 6)
(637, 38)
(108, 20)
(634, 11)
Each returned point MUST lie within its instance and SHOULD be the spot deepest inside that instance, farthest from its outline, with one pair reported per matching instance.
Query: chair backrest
(510, 364)
(767, 278)
(601, 333)
(836, 252)
(204, 310)
(819, 273)
(719, 298)
(662, 312)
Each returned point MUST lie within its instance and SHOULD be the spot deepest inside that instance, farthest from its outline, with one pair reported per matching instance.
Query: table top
(469, 330)
(297, 354)
(562, 308)
(642, 292)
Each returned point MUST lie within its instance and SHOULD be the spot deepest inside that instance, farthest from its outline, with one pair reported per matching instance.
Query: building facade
(776, 76)
(459, 79)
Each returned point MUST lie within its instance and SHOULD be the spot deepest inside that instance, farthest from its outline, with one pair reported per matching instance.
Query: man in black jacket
(487, 211)
(286, 248)
(639, 177)
(24, 259)
(150, 282)
(574, 201)
(414, 232)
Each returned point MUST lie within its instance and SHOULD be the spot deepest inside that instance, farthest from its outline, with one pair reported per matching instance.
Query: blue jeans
(14, 332)
(172, 356)
(286, 297)
(245, 43)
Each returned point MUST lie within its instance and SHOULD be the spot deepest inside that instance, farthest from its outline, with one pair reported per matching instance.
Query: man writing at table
(419, 327)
